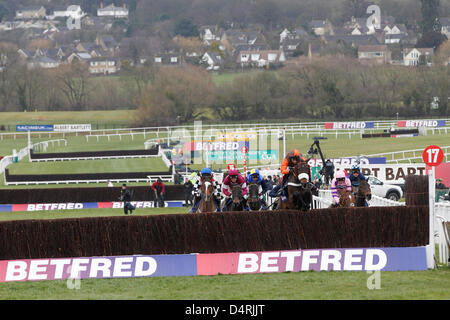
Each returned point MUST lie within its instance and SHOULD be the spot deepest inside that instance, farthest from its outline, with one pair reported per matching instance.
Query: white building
(73, 11)
(112, 11)
(411, 57)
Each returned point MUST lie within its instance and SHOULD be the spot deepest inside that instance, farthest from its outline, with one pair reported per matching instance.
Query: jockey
(340, 181)
(304, 179)
(291, 160)
(356, 176)
(205, 173)
(234, 177)
(255, 177)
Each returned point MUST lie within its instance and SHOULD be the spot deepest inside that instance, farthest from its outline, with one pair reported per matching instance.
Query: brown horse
(299, 195)
(207, 203)
(346, 199)
(236, 198)
(363, 192)
(253, 201)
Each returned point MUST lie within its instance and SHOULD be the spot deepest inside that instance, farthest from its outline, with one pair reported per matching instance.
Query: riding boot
(264, 204)
(217, 202)
(196, 204)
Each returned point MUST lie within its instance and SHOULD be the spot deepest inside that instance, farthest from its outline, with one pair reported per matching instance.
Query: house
(73, 11)
(103, 65)
(233, 38)
(208, 34)
(297, 33)
(353, 40)
(107, 43)
(374, 54)
(261, 58)
(168, 59)
(213, 60)
(32, 12)
(445, 26)
(43, 62)
(112, 11)
(416, 56)
(78, 56)
(321, 27)
(290, 46)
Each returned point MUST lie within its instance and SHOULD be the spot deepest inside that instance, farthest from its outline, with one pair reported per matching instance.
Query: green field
(413, 285)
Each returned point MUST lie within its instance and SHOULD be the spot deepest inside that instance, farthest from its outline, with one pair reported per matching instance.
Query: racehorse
(346, 199)
(207, 203)
(253, 201)
(299, 195)
(363, 192)
(236, 198)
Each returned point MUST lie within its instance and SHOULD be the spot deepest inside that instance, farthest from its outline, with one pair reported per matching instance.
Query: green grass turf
(342, 285)
(83, 213)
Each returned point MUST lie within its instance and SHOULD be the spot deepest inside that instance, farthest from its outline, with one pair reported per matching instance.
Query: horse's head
(236, 192)
(253, 192)
(345, 198)
(207, 189)
(364, 190)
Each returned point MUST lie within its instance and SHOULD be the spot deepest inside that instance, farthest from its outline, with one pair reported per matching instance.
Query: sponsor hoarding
(348, 259)
(266, 155)
(98, 267)
(350, 125)
(53, 127)
(34, 127)
(214, 145)
(349, 161)
(80, 205)
(420, 123)
(389, 173)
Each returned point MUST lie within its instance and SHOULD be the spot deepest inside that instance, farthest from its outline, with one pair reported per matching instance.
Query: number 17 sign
(433, 155)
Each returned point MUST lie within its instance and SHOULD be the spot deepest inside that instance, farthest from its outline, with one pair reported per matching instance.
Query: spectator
(269, 183)
(159, 189)
(110, 184)
(177, 178)
(188, 186)
(440, 184)
(125, 196)
(328, 172)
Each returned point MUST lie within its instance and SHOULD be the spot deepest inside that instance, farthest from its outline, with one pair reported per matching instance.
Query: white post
(29, 145)
(430, 248)
(284, 144)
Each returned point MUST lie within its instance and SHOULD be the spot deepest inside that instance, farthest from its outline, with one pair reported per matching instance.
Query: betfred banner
(348, 161)
(389, 173)
(351, 259)
(420, 123)
(357, 259)
(98, 267)
(215, 145)
(79, 206)
(350, 125)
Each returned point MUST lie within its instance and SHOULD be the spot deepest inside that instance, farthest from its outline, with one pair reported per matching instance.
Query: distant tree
(182, 93)
(186, 28)
(73, 80)
(430, 25)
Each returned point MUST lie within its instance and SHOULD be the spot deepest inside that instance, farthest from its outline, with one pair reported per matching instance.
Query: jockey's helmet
(233, 173)
(340, 175)
(355, 168)
(206, 172)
